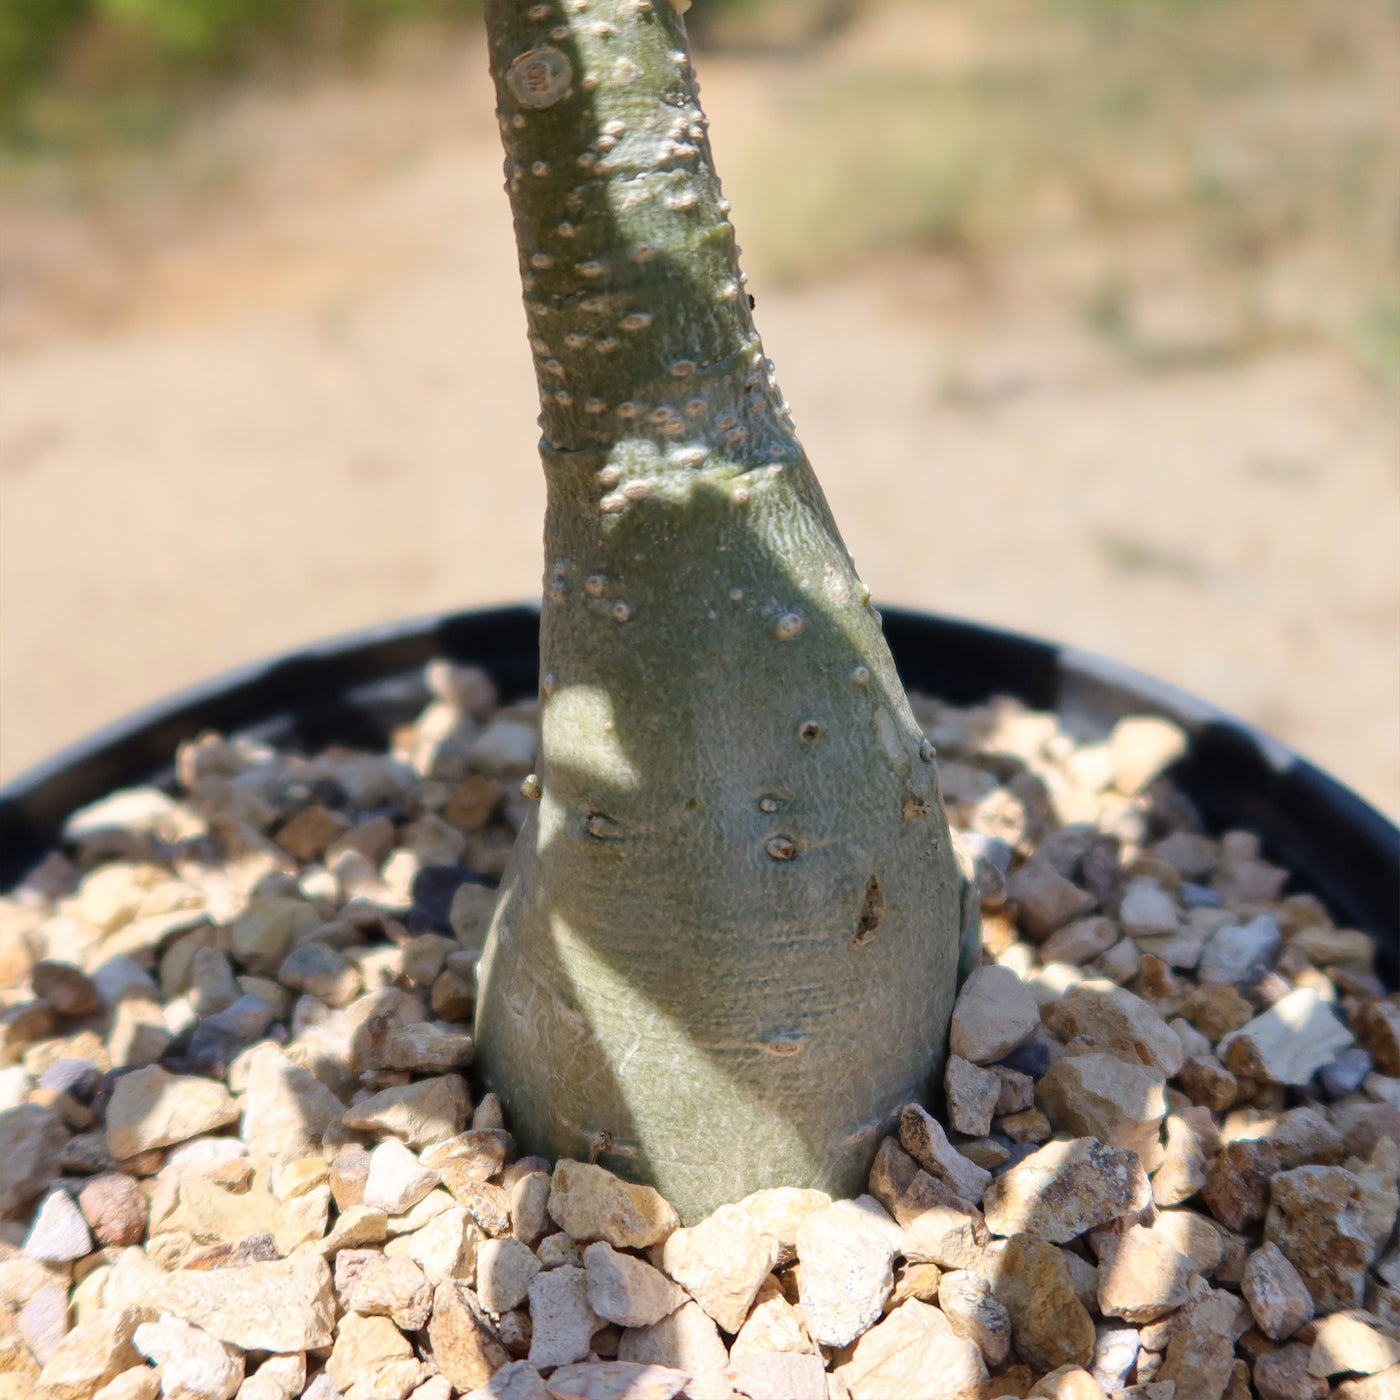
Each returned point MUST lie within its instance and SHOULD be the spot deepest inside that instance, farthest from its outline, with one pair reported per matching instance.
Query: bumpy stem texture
(727, 943)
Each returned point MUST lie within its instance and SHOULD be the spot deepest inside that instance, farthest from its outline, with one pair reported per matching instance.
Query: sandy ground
(306, 406)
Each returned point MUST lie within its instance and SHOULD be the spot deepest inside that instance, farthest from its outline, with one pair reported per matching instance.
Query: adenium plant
(728, 940)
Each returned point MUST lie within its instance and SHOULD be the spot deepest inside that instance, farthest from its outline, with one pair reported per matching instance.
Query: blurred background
(1089, 312)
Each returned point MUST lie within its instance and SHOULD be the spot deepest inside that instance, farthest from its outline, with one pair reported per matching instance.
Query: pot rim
(1238, 775)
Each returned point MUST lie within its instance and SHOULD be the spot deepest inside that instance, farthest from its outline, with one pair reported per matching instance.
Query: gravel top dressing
(242, 1152)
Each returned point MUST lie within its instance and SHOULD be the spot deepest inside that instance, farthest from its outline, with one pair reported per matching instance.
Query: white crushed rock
(562, 1321)
(914, 1351)
(1142, 1275)
(590, 1203)
(59, 1232)
(923, 1137)
(994, 1015)
(686, 1340)
(504, 1271)
(1290, 1042)
(1065, 1189)
(847, 1252)
(1276, 1293)
(193, 1365)
(397, 1180)
(1166, 1081)
(152, 1108)
(721, 1263)
(627, 1290)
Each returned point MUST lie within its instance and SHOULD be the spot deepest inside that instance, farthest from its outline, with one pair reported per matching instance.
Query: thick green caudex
(727, 943)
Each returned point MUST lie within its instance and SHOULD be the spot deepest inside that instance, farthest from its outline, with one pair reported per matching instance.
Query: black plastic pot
(356, 689)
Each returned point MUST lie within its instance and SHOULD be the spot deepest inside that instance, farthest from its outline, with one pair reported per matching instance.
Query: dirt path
(307, 406)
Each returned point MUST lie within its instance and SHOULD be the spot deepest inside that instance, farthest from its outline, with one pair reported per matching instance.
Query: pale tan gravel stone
(504, 1270)
(517, 1381)
(1115, 1356)
(590, 1203)
(212, 1215)
(1277, 1296)
(421, 1113)
(1351, 1341)
(445, 1248)
(1383, 1386)
(1316, 1218)
(686, 1340)
(788, 1376)
(1283, 1375)
(322, 972)
(1050, 1327)
(479, 1153)
(627, 1290)
(1196, 1236)
(281, 1306)
(397, 1180)
(1377, 1180)
(1076, 943)
(286, 1110)
(1067, 1383)
(1140, 748)
(369, 1282)
(558, 1249)
(529, 1207)
(262, 935)
(777, 1212)
(972, 1093)
(140, 1383)
(1111, 1019)
(42, 1324)
(93, 1353)
(294, 1176)
(993, 1015)
(354, 1229)
(1017, 1090)
(151, 1108)
(721, 1262)
(426, 1047)
(139, 1035)
(922, 1136)
(257, 1387)
(1184, 1164)
(973, 1312)
(913, 1351)
(1147, 911)
(847, 1252)
(939, 1226)
(620, 1380)
(484, 1201)
(1288, 1043)
(562, 1322)
(1065, 1189)
(1142, 1275)
(1045, 900)
(465, 1346)
(21, 1024)
(1084, 1276)
(891, 1172)
(1301, 1137)
(1098, 1095)
(59, 1232)
(775, 1325)
(193, 1365)
(372, 1357)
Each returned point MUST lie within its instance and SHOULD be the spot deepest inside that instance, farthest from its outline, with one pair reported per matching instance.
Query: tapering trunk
(728, 940)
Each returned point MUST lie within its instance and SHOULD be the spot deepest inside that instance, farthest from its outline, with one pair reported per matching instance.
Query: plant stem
(726, 947)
